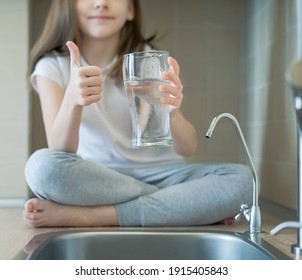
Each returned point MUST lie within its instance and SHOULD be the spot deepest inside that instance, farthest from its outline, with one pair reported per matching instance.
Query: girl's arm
(61, 119)
(183, 133)
(62, 111)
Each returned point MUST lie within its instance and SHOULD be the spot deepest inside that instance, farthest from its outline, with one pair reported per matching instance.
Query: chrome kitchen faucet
(253, 214)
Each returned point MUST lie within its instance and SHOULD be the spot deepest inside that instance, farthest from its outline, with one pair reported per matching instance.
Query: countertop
(15, 234)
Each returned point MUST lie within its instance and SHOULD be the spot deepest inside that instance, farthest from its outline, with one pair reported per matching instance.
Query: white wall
(267, 106)
(14, 105)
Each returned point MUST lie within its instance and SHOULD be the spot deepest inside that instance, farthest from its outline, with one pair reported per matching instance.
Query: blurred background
(234, 56)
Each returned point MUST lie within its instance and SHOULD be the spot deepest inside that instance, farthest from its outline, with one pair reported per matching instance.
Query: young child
(89, 175)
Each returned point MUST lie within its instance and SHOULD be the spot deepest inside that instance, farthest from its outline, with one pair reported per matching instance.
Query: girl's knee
(41, 168)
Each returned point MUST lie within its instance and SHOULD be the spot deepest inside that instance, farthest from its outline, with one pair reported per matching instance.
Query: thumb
(74, 54)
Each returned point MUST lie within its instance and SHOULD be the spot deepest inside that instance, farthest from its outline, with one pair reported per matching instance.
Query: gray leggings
(177, 194)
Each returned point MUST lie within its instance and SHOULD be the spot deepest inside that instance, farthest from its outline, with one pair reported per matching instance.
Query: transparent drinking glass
(142, 74)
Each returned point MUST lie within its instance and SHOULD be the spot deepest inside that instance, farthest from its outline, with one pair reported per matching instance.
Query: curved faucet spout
(255, 218)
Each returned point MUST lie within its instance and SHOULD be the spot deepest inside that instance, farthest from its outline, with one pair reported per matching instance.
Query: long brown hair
(61, 26)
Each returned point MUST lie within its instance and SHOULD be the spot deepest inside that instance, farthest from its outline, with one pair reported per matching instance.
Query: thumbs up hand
(85, 85)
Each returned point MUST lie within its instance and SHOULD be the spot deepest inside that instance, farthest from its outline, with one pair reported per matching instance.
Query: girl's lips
(101, 17)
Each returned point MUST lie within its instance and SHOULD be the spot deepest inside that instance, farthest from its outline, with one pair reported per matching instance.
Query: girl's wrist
(174, 114)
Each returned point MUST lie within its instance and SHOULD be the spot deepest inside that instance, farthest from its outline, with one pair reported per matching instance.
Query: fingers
(174, 89)
(173, 74)
(89, 71)
(174, 79)
(85, 84)
(87, 92)
(90, 80)
(75, 56)
(174, 98)
(174, 67)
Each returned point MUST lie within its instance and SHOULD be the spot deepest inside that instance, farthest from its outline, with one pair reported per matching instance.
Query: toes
(33, 212)
(33, 205)
(32, 218)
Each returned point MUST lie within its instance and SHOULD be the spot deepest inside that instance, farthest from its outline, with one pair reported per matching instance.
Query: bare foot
(45, 213)
(226, 221)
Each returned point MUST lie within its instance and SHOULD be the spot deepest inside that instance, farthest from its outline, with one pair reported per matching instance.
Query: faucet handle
(244, 211)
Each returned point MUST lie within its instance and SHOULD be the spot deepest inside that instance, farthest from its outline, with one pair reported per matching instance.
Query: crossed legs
(74, 192)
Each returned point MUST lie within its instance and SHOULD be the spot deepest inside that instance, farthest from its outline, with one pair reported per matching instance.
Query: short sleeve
(48, 67)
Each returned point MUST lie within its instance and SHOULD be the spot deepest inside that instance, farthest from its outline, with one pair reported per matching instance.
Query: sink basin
(148, 245)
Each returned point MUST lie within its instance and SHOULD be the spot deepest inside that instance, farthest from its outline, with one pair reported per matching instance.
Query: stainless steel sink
(148, 245)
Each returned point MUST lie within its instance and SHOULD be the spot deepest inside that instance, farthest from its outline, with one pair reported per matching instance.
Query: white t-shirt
(106, 129)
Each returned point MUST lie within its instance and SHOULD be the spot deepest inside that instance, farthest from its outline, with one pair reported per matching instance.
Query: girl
(90, 175)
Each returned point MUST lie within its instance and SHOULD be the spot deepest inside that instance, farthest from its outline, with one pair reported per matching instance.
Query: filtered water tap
(253, 214)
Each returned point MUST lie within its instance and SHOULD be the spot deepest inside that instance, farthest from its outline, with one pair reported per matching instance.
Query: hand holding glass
(142, 73)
